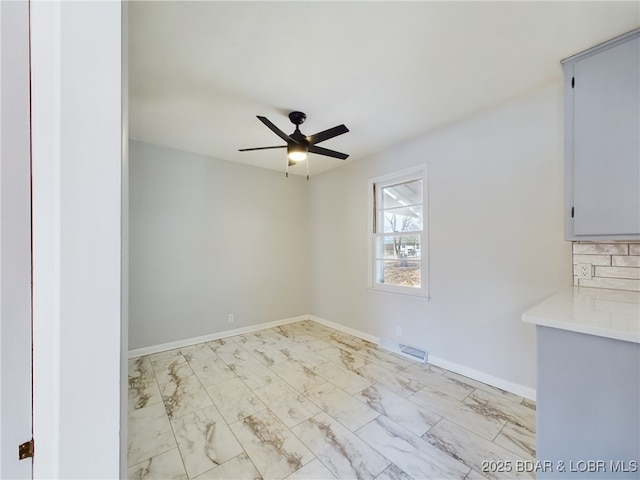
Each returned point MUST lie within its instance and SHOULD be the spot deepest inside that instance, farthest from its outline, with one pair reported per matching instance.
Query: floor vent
(408, 351)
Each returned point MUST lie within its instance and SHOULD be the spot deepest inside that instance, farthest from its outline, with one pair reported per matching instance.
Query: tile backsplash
(614, 265)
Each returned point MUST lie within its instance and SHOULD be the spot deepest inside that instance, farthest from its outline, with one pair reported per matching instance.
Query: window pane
(398, 232)
(402, 272)
(398, 247)
(403, 219)
(401, 195)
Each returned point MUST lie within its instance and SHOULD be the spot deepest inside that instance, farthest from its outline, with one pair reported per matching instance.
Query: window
(398, 248)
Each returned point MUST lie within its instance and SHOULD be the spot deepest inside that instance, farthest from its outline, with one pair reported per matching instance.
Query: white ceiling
(200, 72)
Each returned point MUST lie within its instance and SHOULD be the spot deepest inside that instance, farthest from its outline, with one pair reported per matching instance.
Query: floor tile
(248, 340)
(306, 326)
(139, 366)
(348, 381)
(220, 343)
(297, 375)
(473, 475)
(283, 331)
(253, 373)
(170, 368)
(149, 434)
(212, 372)
(344, 358)
(299, 353)
(205, 440)
(235, 400)
(342, 452)
(398, 409)
(162, 359)
(341, 406)
(396, 382)
(483, 386)
(143, 388)
(198, 353)
(409, 452)
(349, 342)
(289, 405)
(475, 420)
(270, 445)
(266, 354)
(495, 405)
(473, 450)
(274, 337)
(519, 440)
(393, 472)
(436, 381)
(185, 395)
(167, 465)
(305, 401)
(230, 352)
(240, 467)
(313, 470)
(433, 368)
(309, 341)
(385, 359)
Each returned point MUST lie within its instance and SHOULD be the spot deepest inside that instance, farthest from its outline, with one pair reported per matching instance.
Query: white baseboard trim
(521, 390)
(342, 328)
(139, 352)
(478, 375)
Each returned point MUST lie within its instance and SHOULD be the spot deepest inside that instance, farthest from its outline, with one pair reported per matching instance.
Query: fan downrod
(297, 118)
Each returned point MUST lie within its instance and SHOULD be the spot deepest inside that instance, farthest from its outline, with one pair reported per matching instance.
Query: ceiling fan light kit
(298, 145)
(296, 152)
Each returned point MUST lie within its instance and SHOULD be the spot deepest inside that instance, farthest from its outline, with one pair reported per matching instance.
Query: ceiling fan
(298, 145)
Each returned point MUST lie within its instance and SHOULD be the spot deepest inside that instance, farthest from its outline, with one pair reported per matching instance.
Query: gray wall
(209, 238)
(495, 231)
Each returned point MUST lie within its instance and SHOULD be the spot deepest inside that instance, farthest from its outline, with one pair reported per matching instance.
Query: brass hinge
(26, 450)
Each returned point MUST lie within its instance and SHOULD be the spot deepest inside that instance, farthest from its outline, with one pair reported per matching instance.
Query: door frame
(15, 241)
(79, 309)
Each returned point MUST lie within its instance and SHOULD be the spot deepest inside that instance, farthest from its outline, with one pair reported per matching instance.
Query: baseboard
(342, 328)
(472, 373)
(139, 352)
(521, 390)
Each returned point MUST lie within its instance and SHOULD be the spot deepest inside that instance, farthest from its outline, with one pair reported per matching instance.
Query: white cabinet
(602, 141)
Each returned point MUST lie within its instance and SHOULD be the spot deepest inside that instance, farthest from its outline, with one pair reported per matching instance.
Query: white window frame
(374, 184)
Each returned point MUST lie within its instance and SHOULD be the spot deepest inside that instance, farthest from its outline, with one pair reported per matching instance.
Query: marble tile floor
(304, 401)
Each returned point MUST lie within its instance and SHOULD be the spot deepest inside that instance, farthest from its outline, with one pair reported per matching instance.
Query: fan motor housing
(297, 118)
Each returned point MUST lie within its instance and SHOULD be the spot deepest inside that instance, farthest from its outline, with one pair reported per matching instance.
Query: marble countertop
(594, 311)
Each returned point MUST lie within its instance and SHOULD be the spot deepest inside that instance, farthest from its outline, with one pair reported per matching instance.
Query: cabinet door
(607, 141)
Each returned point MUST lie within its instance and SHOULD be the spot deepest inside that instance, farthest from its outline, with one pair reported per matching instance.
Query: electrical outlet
(398, 331)
(585, 271)
(230, 318)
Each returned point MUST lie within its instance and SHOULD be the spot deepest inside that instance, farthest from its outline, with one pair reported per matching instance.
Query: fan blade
(327, 152)
(327, 134)
(260, 148)
(276, 130)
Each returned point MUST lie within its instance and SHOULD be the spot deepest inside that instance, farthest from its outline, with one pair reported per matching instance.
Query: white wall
(209, 238)
(495, 232)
